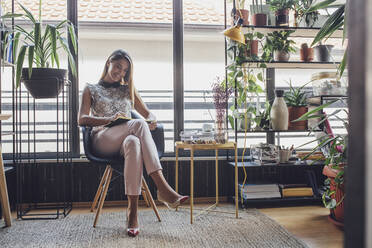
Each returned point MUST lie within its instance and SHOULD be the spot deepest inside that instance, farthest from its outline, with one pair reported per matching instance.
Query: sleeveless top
(109, 99)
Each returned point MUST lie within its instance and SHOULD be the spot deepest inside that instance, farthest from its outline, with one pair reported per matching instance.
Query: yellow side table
(3, 188)
(216, 147)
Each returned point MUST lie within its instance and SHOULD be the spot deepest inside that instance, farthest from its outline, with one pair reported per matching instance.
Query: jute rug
(252, 229)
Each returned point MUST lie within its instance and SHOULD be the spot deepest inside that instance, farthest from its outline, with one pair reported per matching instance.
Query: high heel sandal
(174, 204)
(132, 232)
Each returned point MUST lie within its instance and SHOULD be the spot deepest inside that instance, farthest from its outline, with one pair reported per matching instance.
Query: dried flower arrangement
(221, 95)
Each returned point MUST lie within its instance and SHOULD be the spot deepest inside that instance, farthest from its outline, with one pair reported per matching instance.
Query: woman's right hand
(117, 115)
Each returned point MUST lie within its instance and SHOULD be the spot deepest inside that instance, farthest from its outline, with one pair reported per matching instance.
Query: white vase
(279, 112)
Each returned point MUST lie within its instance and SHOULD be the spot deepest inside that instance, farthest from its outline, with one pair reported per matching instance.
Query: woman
(115, 96)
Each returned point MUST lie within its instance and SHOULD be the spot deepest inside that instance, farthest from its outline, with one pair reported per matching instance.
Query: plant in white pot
(279, 43)
(40, 45)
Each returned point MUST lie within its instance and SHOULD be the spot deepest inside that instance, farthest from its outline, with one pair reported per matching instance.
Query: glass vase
(220, 134)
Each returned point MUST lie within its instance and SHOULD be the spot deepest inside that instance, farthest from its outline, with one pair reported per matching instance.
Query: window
(144, 29)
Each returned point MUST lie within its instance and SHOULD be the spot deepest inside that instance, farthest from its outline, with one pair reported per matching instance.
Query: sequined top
(107, 100)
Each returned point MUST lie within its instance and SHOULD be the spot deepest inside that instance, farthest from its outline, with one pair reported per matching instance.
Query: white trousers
(134, 141)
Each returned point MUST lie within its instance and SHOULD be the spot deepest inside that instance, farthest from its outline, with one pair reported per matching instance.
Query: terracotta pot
(282, 17)
(252, 48)
(338, 212)
(295, 113)
(307, 54)
(281, 56)
(244, 15)
(259, 19)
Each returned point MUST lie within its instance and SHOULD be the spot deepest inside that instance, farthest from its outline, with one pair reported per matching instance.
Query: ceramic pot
(279, 112)
(44, 82)
(323, 52)
(281, 56)
(259, 19)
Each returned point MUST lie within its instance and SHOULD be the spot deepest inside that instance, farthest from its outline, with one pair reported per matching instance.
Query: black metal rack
(35, 179)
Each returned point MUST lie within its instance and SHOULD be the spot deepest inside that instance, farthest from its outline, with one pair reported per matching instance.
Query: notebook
(121, 120)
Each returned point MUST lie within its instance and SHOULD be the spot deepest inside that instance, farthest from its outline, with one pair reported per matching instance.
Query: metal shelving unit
(300, 32)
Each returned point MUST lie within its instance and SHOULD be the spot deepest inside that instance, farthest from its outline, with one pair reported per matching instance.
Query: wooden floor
(308, 223)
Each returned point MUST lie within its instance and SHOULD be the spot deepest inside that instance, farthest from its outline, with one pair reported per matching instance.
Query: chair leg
(144, 195)
(99, 190)
(149, 197)
(103, 196)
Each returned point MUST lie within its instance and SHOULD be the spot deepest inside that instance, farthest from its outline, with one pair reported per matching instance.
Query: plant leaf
(30, 59)
(15, 45)
(71, 60)
(53, 41)
(321, 5)
(334, 22)
(21, 58)
(37, 35)
(71, 31)
(28, 14)
(342, 66)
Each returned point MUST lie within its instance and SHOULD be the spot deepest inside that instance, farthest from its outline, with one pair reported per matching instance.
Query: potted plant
(252, 40)
(334, 22)
(334, 147)
(262, 118)
(303, 15)
(259, 18)
(295, 99)
(323, 52)
(279, 43)
(281, 9)
(306, 53)
(240, 12)
(41, 45)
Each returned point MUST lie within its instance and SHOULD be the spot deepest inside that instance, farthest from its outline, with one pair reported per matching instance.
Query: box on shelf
(259, 191)
(328, 83)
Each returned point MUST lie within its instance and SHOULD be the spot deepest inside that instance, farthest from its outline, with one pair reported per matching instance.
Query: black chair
(158, 136)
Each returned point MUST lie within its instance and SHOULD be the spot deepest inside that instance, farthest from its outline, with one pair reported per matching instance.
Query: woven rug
(252, 229)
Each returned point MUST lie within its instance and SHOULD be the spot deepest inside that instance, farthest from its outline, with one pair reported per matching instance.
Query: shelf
(289, 164)
(329, 96)
(292, 65)
(281, 200)
(278, 131)
(302, 32)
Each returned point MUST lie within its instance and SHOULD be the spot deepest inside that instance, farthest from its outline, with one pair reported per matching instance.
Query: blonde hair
(128, 78)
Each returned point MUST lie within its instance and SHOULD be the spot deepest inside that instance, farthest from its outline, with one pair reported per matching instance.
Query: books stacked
(295, 190)
(259, 191)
